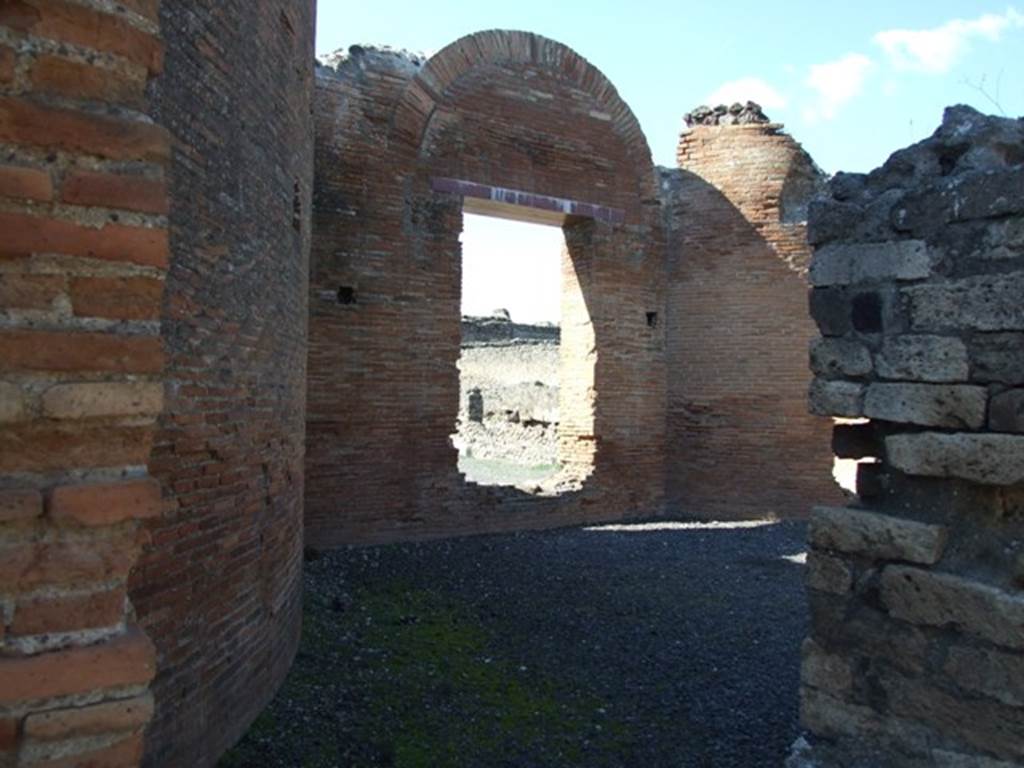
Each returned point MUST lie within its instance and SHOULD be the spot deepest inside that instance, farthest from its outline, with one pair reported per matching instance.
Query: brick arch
(515, 125)
(428, 88)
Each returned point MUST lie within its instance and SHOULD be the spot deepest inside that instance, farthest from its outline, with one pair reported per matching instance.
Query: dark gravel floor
(640, 647)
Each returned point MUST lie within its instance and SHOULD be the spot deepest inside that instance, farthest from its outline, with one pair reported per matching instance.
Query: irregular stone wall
(219, 587)
(83, 253)
(740, 442)
(507, 111)
(501, 328)
(916, 654)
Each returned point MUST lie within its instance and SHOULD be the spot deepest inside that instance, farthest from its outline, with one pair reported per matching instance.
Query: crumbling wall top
(736, 114)
(357, 59)
(966, 142)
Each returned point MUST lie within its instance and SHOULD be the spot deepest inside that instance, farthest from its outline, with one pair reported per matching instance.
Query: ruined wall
(508, 393)
(916, 654)
(218, 589)
(740, 442)
(502, 109)
(83, 252)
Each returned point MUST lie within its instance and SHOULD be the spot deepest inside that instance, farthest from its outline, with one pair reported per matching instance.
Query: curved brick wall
(740, 440)
(218, 589)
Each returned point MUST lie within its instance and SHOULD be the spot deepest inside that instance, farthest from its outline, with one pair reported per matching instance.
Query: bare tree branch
(979, 86)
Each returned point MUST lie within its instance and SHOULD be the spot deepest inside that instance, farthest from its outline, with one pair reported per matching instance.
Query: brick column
(83, 251)
(740, 441)
(916, 653)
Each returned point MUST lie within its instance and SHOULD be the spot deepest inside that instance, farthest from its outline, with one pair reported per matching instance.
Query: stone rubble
(734, 114)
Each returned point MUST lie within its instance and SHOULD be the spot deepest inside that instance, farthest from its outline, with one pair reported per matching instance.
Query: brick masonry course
(218, 587)
(739, 441)
(78, 395)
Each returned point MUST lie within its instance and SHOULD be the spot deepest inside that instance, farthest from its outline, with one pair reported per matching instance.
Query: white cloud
(936, 50)
(836, 83)
(747, 89)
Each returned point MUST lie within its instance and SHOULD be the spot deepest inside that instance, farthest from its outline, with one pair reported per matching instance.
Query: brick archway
(529, 121)
(495, 48)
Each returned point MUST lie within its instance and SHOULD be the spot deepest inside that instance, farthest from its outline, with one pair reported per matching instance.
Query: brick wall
(218, 589)
(916, 654)
(83, 255)
(740, 442)
(502, 109)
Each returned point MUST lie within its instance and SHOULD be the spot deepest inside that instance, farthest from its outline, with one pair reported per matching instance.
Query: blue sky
(852, 82)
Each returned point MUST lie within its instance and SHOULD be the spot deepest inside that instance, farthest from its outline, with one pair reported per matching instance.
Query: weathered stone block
(942, 599)
(993, 459)
(839, 357)
(923, 358)
(94, 720)
(827, 573)
(1005, 238)
(825, 671)
(984, 725)
(993, 673)
(91, 400)
(998, 357)
(982, 303)
(1006, 412)
(846, 186)
(988, 194)
(836, 398)
(928, 405)
(878, 536)
(871, 634)
(828, 715)
(829, 220)
(943, 759)
(847, 264)
(979, 195)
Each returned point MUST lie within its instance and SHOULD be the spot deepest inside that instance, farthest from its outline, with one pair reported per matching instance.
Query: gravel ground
(642, 646)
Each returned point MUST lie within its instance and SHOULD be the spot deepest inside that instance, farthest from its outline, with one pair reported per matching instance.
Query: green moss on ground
(392, 675)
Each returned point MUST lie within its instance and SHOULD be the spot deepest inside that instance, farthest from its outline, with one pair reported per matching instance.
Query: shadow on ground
(665, 646)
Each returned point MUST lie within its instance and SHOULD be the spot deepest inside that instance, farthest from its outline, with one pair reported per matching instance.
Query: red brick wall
(509, 110)
(83, 255)
(219, 587)
(740, 440)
